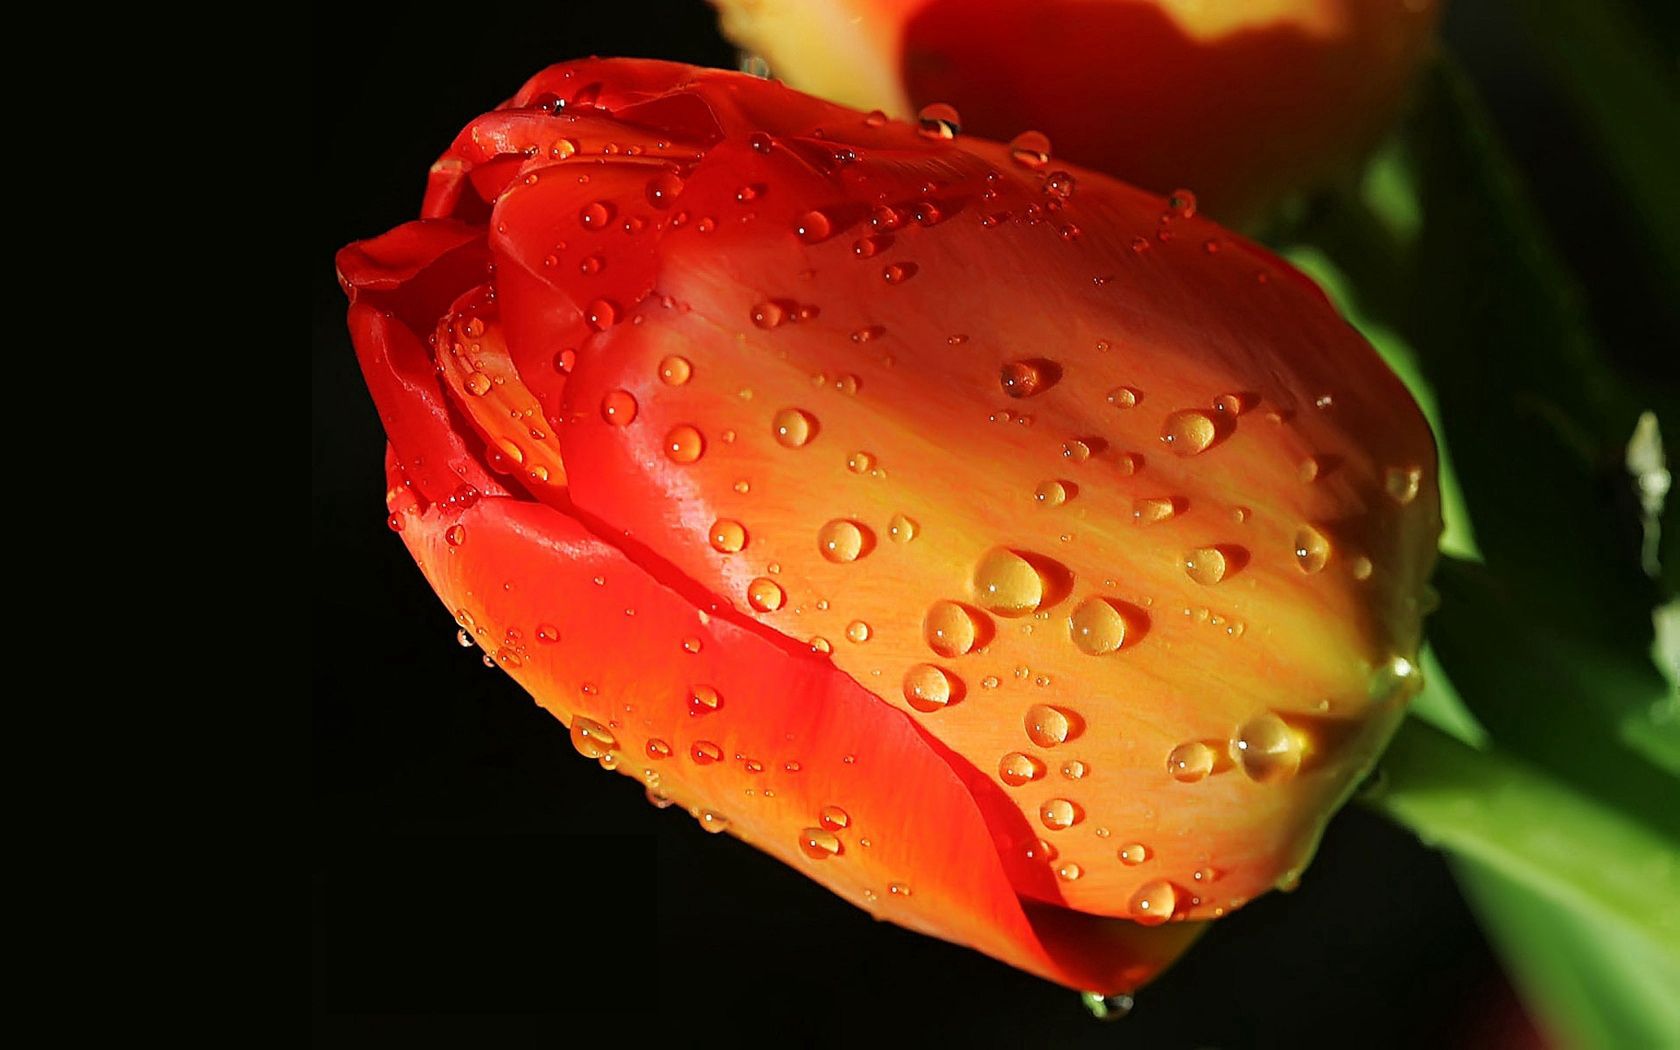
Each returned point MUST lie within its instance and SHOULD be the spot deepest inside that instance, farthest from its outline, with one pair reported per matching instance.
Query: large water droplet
(1191, 762)
(1154, 902)
(1027, 378)
(1266, 748)
(704, 753)
(663, 188)
(596, 215)
(1030, 149)
(1097, 627)
(793, 427)
(765, 594)
(727, 536)
(939, 121)
(683, 444)
(813, 227)
(1205, 565)
(949, 629)
(768, 314)
(928, 688)
(591, 738)
(601, 315)
(818, 843)
(703, 700)
(1070, 871)
(1007, 583)
(1046, 726)
(1050, 493)
(1058, 814)
(1017, 768)
(840, 540)
(657, 749)
(1150, 509)
(858, 631)
(1188, 432)
(1059, 184)
(834, 818)
(902, 529)
(1133, 853)
(1312, 549)
(1074, 769)
(674, 370)
(618, 407)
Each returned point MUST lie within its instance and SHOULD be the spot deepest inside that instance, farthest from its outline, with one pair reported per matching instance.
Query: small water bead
(927, 688)
(939, 121)
(1076, 450)
(1151, 509)
(727, 536)
(704, 753)
(713, 822)
(1154, 902)
(596, 215)
(1059, 184)
(1026, 378)
(858, 632)
(821, 645)
(591, 738)
(834, 818)
(875, 119)
(1230, 404)
(565, 360)
(818, 844)
(455, 535)
(1058, 814)
(683, 444)
(1191, 762)
(1123, 397)
(902, 529)
(897, 273)
(860, 462)
(657, 749)
(1030, 149)
(463, 639)
(768, 314)
(813, 227)
(1074, 769)
(765, 595)
(1007, 583)
(949, 629)
(691, 644)
(792, 427)
(1361, 568)
(1017, 768)
(618, 407)
(703, 700)
(1050, 494)
(1205, 565)
(760, 142)
(840, 540)
(1070, 871)
(1266, 749)
(1401, 484)
(1046, 726)
(601, 315)
(663, 188)
(675, 370)
(1133, 853)
(1097, 627)
(899, 889)
(1312, 549)
(477, 383)
(1188, 432)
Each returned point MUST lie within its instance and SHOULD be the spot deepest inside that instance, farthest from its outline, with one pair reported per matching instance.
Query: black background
(474, 877)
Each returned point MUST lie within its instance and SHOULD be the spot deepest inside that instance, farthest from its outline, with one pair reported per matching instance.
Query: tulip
(1242, 102)
(1020, 555)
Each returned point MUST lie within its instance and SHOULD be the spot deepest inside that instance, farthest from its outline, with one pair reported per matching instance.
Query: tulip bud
(1017, 553)
(1242, 102)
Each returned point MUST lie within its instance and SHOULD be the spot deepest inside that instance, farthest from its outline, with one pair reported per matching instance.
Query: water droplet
(765, 595)
(1058, 814)
(840, 540)
(1230, 404)
(1097, 627)
(1076, 451)
(675, 370)
(1188, 432)
(949, 629)
(463, 639)
(547, 633)
(713, 822)
(813, 227)
(939, 121)
(760, 142)
(1070, 871)
(860, 462)
(1181, 204)
(1074, 769)
(477, 383)
(703, 700)
(1133, 853)
(618, 407)
(928, 688)
(1017, 768)
(591, 738)
(1151, 509)
(902, 529)
(1266, 748)
(1401, 484)
(857, 631)
(1123, 397)
(683, 444)
(455, 535)
(818, 844)
(1050, 494)
(1027, 378)
(897, 273)
(1312, 549)
(601, 315)
(1030, 149)
(704, 753)
(596, 215)
(1154, 902)
(899, 889)
(1059, 184)
(793, 427)
(657, 748)
(1191, 762)
(1046, 726)
(1205, 565)
(1007, 583)
(663, 188)
(727, 536)
(768, 314)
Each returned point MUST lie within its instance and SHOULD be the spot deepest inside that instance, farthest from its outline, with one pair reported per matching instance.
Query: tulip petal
(752, 735)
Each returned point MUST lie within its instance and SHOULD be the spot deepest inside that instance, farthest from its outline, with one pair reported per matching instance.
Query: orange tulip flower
(1018, 554)
(1241, 102)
